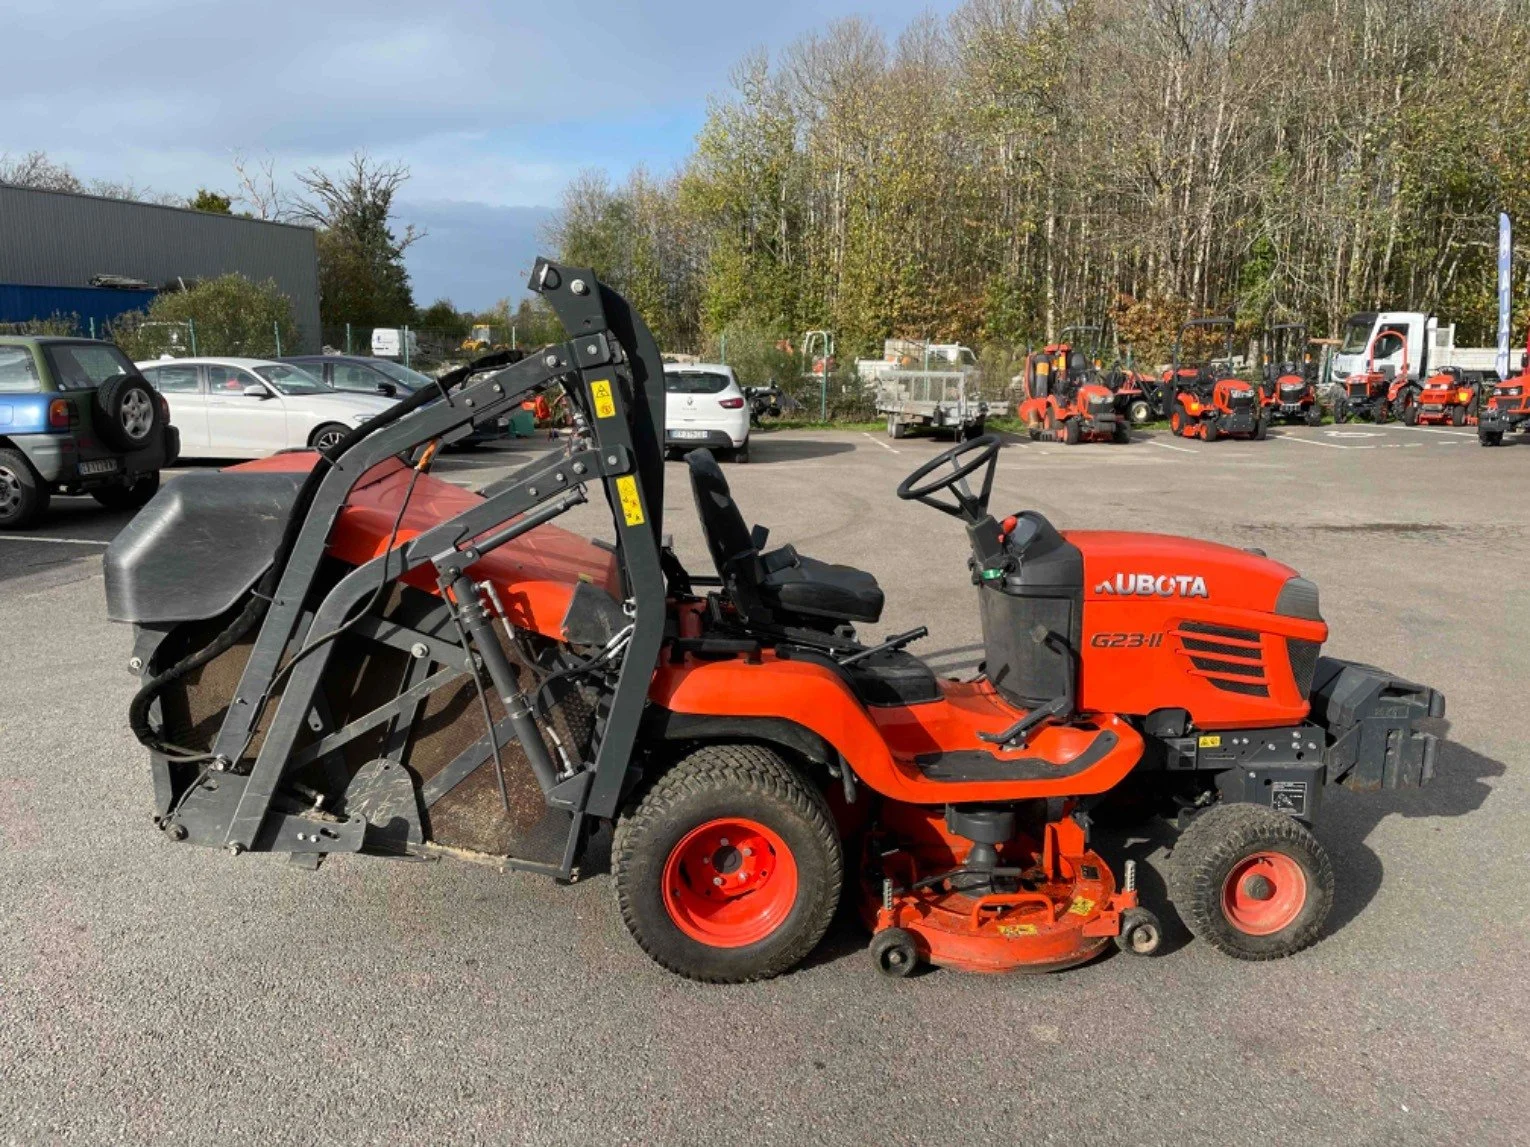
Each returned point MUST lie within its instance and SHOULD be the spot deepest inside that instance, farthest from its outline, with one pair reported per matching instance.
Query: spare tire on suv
(127, 414)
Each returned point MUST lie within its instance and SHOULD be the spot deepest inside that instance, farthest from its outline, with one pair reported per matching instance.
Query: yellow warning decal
(626, 490)
(1081, 907)
(1211, 741)
(605, 405)
(1013, 930)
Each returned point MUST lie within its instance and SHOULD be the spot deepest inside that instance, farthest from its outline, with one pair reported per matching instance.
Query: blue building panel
(21, 302)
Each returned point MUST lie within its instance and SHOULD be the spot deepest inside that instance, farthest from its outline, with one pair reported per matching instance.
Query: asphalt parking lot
(158, 993)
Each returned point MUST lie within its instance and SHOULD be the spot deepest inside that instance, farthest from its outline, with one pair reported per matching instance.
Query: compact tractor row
(340, 653)
(1068, 398)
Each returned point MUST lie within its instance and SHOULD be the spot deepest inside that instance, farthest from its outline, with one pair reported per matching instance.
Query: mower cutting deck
(341, 653)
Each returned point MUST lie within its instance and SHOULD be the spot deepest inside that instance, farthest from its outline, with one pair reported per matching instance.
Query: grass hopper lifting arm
(611, 372)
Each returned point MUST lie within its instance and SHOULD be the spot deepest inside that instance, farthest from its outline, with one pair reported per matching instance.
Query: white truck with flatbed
(1431, 348)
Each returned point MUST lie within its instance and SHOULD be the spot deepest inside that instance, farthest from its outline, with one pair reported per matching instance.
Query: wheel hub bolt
(1258, 888)
(717, 880)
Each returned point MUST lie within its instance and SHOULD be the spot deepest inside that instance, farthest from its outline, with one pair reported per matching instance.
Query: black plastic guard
(1370, 717)
(198, 546)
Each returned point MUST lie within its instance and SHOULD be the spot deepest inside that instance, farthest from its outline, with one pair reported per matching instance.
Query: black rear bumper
(1370, 718)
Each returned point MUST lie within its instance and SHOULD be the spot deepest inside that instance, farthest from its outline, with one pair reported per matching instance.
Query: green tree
(362, 279)
(232, 316)
(213, 202)
(445, 319)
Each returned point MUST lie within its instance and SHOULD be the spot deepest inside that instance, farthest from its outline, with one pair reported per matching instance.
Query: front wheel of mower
(894, 953)
(1457, 416)
(1314, 416)
(1212, 431)
(1251, 882)
(1122, 434)
(1490, 437)
(1139, 411)
(1141, 934)
(1261, 429)
(728, 867)
(1177, 424)
(1071, 432)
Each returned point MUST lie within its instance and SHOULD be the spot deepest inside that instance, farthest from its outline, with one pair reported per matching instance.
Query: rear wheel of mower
(1252, 882)
(894, 953)
(728, 867)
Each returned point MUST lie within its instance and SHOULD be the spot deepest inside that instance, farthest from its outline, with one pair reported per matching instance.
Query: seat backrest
(728, 537)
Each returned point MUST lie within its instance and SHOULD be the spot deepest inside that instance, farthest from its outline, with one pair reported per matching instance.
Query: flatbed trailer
(934, 400)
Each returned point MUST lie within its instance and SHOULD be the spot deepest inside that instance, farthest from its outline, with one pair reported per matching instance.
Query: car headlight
(358, 419)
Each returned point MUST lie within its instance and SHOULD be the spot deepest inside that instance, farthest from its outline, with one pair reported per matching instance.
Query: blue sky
(494, 106)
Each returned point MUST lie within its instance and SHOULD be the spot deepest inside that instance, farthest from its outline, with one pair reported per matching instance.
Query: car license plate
(99, 466)
(688, 433)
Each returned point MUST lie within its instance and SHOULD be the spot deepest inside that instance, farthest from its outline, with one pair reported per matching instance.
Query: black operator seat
(782, 581)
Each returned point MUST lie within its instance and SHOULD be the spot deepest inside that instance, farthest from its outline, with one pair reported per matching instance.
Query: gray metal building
(56, 239)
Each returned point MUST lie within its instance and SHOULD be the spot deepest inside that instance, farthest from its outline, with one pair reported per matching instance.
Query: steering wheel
(970, 507)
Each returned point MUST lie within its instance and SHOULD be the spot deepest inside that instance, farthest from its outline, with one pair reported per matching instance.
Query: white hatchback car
(704, 406)
(250, 407)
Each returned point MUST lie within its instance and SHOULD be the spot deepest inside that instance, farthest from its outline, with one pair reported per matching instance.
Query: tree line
(1024, 165)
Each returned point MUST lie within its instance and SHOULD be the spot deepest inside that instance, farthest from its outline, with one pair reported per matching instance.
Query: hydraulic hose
(259, 601)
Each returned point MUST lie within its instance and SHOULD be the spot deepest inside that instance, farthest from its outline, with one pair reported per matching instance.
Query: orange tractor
(1507, 407)
(1288, 379)
(1065, 402)
(1207, 400)
(1371, 393)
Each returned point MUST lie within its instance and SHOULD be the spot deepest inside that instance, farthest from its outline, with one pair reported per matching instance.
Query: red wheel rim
(1264, 893)
(730, 882)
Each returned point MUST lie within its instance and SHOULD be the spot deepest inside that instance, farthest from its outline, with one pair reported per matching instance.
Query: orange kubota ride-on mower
(1064, 400)
(341, 653)
(1446, 398)
(1288, 381)
(1206, 400)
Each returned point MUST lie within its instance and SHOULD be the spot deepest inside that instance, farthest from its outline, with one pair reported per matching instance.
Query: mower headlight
(1463, 396)
(1511, 392)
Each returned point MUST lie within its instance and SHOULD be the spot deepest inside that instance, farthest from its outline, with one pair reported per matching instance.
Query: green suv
(76, 417)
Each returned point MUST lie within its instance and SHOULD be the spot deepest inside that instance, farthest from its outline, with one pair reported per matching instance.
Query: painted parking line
(1440, 430)
(868, 435)
(56, 541)
(1315, 442)
(1166, 446)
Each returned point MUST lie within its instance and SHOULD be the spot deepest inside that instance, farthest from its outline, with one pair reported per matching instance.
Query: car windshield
(402, 375)
(85, 366)
(1357, 333)
(695, 382)
(290, 380)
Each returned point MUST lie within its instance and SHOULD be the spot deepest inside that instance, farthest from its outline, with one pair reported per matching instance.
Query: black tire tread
(41, 496)
(1212, 842)
(741, 768)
